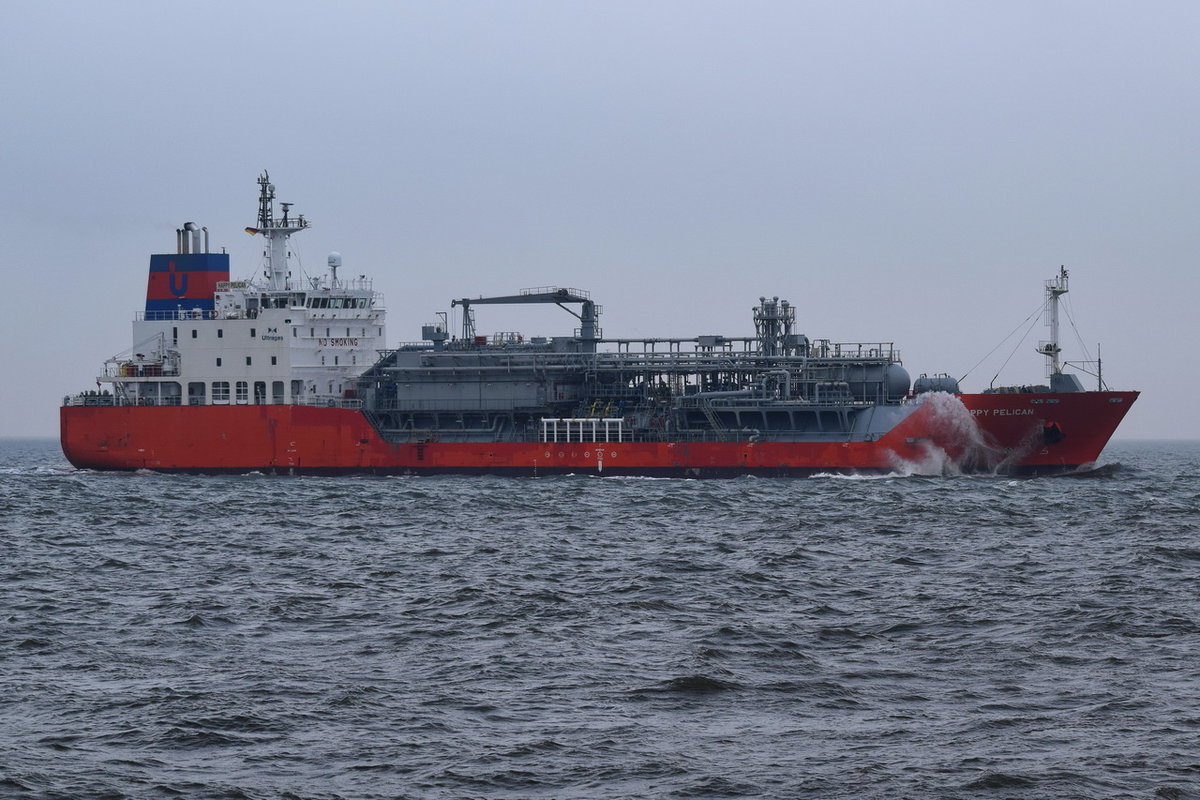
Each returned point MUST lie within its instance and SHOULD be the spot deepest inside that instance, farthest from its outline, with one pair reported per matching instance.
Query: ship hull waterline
(1008, 433)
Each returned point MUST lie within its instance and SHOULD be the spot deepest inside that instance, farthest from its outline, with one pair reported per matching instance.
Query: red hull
(979, 432)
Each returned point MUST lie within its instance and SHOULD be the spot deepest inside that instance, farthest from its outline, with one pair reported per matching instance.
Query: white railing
(583, 429)
(180, 314)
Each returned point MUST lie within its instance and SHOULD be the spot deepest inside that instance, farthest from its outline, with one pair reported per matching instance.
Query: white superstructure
(272, 340)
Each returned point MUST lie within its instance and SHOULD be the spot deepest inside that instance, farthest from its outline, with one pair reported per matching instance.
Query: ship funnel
(183, 283)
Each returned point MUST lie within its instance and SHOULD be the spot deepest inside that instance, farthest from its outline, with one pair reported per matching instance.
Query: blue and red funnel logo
(185, 281)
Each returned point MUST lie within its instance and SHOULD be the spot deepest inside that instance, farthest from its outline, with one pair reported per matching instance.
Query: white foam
(951, 422)
(854, 476)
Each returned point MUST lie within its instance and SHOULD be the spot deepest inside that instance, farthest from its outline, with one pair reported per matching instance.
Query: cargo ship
(292, 375)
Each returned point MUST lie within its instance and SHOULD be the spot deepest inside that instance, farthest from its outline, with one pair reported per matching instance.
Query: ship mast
(276, 232)
(1055, 288)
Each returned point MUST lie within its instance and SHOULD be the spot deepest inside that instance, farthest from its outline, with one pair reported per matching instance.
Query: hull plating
(942, 433)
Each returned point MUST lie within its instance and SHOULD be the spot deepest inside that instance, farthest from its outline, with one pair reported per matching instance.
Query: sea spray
(955, 444)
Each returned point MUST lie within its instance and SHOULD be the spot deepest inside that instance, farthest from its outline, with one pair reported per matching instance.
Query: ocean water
(580, 637)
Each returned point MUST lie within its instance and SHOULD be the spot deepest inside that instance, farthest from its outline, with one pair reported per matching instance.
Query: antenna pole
(276, 233)
(1054, 289)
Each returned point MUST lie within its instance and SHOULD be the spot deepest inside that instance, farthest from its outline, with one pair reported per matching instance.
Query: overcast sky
(901, 171)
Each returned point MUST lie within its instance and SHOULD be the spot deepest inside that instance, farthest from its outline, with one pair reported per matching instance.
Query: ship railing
(555, 289)
(445, 404)
(815, 396)
(179, 314)
(328, 401)
(361, 283)
(106, 398)
(584, 429)
(506, 338)
(536, 357)
(755, 362)
(823, 348)
(322, 285)
(140, 369)
(90, 398)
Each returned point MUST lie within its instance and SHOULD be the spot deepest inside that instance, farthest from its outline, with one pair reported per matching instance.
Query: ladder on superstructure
(714, 421)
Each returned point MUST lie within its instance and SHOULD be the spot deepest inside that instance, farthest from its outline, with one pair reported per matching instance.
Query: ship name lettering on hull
(1002, 412)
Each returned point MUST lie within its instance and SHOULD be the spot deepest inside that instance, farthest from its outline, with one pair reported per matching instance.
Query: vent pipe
(191, 226)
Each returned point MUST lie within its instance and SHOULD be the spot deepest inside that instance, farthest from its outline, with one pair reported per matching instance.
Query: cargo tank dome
(936, 383)
(896, 381)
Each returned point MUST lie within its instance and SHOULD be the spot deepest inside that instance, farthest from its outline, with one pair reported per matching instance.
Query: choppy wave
(846, 636)
(863, 476)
